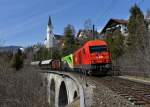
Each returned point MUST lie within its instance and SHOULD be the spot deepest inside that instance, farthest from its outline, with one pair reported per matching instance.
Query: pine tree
(136, 28)
(116, 45)
(17, 61)
(69, 40)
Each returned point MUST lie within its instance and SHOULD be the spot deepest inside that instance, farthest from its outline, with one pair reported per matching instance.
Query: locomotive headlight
(101, 57)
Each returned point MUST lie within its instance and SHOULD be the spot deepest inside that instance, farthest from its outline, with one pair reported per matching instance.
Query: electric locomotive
(93, 58)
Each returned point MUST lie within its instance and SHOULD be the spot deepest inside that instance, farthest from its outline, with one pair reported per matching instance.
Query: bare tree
(148, 14)
(3, 62)
(88, 24)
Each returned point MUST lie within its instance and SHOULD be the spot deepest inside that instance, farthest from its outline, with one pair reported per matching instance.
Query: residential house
(112, 25)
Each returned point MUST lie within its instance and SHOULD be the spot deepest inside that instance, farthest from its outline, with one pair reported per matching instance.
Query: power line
(110, 7)
(108, 10)
(140, 2)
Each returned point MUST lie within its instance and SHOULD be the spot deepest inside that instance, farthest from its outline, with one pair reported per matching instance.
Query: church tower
(49, 42)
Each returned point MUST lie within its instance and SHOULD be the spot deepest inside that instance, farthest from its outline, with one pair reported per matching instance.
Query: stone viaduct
(62, 90)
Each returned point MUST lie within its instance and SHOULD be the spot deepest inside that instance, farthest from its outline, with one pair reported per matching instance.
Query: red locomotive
(93, 57)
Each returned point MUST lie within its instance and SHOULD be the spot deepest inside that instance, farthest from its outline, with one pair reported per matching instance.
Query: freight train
(92, 58)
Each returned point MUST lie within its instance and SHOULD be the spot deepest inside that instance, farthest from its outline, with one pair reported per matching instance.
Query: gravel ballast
(104, 97)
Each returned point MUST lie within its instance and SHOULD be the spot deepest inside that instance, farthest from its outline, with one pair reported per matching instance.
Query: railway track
(136, 93)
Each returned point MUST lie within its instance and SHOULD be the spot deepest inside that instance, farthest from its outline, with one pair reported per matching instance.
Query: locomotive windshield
(98, 49)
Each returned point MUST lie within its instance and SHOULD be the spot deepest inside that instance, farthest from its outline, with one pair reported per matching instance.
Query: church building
(52, 40)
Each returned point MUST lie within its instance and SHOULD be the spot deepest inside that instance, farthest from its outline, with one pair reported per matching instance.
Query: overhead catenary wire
(140, 2)
(107, 11)
(111, 6)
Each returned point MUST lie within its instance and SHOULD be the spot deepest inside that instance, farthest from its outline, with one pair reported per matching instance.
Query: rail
(136, 93)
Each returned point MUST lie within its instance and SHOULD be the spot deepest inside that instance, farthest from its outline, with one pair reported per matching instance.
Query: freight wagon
(67, 63)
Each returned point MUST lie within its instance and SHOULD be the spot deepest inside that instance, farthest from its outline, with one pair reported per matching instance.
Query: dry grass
(4, 62)
(23, 88)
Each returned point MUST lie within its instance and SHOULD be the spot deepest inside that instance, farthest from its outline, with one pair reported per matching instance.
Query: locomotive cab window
(98, 49)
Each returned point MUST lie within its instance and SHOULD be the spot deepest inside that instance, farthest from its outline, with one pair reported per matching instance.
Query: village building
(84, 34)
(118, 24)
(52, 40)
(112, 25)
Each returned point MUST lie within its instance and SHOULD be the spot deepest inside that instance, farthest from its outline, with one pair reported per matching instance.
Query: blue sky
(24, 22)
